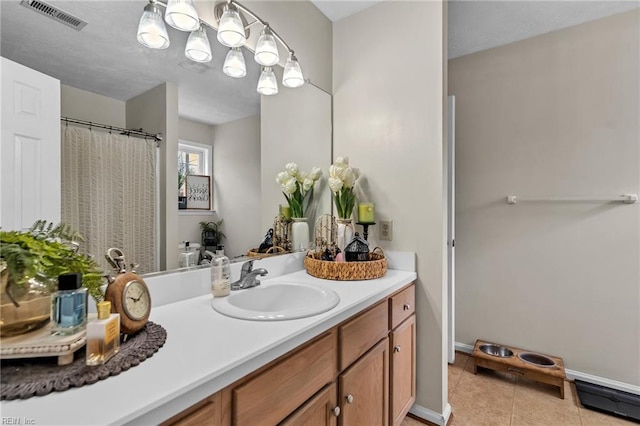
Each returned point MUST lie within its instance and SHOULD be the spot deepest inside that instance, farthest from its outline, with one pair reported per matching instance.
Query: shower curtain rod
(139, 133)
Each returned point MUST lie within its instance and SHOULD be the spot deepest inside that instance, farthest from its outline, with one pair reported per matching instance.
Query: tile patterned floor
(498, 399)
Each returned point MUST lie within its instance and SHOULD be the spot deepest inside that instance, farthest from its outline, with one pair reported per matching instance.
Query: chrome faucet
(248, 276)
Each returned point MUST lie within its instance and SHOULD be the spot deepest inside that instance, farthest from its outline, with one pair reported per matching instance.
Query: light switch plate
(386, 230)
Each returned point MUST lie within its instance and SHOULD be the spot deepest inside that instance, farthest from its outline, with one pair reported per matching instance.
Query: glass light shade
(198, 48)
(267, 84)
(234, 65)
(292, 74)
(151, 30)
(230, 29)
(182, 15)
(267, 49)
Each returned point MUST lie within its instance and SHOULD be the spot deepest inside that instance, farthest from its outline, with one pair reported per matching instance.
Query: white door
(30, 147)
(451, 225)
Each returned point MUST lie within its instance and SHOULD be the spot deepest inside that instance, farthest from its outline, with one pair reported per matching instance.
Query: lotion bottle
(103, 335)
(220, 274)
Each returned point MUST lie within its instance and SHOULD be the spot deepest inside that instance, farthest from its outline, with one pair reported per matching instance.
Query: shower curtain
(109, 194)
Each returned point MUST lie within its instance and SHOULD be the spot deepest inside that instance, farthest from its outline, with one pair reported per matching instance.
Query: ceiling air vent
(54, 13)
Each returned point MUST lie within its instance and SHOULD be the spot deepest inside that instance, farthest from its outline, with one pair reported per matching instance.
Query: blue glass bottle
(69, 305)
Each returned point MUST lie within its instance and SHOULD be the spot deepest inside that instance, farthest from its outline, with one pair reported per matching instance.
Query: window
(193, 159)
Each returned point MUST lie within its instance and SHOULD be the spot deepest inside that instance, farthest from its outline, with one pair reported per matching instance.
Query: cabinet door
(321, 410)
(204, 413)
(364, 389)
(30, 146)
(403, 369)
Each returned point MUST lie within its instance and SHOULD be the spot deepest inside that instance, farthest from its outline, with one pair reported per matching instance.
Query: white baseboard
(602, 381)
(572, 374)
(430, 415)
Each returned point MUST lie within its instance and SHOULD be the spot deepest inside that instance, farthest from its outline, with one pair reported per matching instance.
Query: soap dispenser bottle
(187, 257)
(220, 274)
(103, 335)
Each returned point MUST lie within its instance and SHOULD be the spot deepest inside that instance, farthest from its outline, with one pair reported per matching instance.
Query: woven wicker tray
(272, 251)
(347, 271)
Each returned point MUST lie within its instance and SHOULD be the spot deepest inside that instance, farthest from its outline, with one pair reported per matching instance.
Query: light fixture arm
(263, 22)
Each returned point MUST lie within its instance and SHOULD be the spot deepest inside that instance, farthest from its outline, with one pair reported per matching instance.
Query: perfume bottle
(69, 305)
(103, 335)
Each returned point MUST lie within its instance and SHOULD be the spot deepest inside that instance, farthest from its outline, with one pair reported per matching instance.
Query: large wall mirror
(102, 68)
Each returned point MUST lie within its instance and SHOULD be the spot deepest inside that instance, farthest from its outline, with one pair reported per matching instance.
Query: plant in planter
(212, 234)
(30, 263)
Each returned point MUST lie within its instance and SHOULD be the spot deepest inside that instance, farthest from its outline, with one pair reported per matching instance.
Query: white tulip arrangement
(342, 179)
(297, 186)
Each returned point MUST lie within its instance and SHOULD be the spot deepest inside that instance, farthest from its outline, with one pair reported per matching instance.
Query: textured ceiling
(105, 58)
(479, 25)
(336, 10)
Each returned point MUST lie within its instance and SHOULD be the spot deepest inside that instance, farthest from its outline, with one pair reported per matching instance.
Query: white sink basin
(277, 302)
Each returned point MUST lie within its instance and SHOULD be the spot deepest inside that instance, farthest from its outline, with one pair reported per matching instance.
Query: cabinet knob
(397, 348)
(349, 399)
(406, 306)
(336, 411)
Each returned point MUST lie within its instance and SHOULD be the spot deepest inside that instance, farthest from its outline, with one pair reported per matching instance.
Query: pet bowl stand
(553, 375)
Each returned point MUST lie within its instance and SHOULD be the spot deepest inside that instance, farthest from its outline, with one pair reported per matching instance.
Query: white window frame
(207, 154)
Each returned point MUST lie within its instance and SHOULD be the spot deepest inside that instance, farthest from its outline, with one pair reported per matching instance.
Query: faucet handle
(247, 267)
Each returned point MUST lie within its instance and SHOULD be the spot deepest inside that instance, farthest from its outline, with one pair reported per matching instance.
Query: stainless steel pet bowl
(496, 350)
(537, 359)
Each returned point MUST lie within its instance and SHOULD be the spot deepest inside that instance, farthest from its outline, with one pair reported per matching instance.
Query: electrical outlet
(386, 230)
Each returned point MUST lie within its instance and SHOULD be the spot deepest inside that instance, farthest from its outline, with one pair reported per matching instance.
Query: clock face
(136, 300)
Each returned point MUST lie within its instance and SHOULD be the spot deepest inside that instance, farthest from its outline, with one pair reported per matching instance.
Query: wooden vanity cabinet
(321, 410)
(361, 372)
(364, 388)
(402, 339)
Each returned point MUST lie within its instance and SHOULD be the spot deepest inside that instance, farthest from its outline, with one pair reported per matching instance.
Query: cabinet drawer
(361, 333)
(275, 393)
(402, 306)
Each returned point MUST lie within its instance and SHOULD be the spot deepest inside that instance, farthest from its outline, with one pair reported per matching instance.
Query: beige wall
(236, 176)
(156, 111)
(389, 121)
(552, 116)
(88, 106)
(295, 127)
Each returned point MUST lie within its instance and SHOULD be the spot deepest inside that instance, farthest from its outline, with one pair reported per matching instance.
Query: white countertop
(204, 352)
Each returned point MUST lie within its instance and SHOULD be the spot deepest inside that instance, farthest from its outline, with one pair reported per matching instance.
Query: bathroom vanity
(352, 364)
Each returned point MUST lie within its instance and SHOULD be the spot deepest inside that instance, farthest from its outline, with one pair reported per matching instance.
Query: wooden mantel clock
(128, 294)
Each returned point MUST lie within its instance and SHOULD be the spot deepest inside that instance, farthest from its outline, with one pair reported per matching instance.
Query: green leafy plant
(48, 251)
(212, 231)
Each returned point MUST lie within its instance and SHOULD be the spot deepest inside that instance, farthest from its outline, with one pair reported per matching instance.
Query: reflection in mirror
(107, 77)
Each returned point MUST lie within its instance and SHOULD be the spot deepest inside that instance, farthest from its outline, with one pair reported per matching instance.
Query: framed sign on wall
(198, 192)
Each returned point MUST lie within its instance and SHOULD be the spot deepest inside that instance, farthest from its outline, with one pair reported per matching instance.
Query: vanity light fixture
(182, 15)
(267, 84)
(292, 75)
(234, 65)
(198, 48)
(267, 49)
(233, 31)
(151, 30)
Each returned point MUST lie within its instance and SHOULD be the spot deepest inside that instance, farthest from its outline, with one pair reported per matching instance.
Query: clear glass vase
(26, 307)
